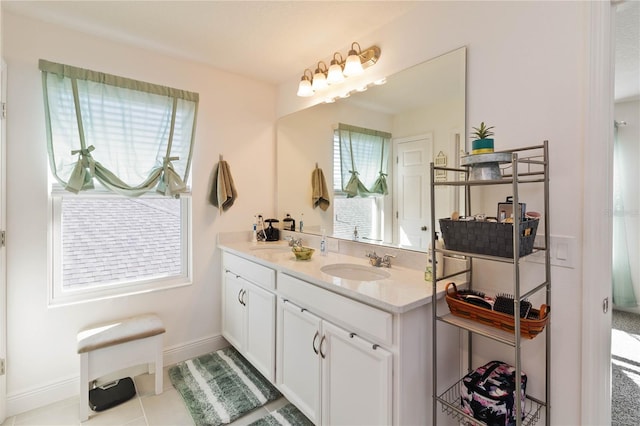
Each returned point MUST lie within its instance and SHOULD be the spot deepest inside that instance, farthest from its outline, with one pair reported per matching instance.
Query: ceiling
(627, 55)
(271, 41)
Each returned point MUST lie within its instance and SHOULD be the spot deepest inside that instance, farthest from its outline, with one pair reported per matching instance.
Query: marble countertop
(405, 288)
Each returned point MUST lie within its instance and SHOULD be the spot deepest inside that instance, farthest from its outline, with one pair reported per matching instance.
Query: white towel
(320, 195)
(223, 193)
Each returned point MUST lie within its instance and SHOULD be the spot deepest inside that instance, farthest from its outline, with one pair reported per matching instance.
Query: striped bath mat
(288, 415)
(220, 387)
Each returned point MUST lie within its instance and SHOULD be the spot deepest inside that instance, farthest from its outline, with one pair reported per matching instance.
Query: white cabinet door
(249, 322)
(298, 370)
(233, 323)
(356, 380)
(260, 344)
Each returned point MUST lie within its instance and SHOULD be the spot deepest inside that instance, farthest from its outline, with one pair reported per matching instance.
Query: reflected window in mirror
(361, 166)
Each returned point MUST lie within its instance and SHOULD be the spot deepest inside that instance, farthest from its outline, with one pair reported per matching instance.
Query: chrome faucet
(293, 242)
(386, 260)
(378, 261)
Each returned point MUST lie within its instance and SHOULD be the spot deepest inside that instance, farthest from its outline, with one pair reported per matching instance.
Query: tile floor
(145, 409)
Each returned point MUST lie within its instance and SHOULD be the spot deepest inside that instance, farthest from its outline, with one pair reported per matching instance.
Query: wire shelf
(451, 405)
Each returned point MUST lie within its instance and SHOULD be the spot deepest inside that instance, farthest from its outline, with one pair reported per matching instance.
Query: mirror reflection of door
(411, 191)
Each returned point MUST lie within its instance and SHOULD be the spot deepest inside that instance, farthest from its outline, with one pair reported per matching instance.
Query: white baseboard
(184, 351)
(68, 387)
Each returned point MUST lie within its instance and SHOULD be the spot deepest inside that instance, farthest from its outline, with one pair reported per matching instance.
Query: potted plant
(482, 141)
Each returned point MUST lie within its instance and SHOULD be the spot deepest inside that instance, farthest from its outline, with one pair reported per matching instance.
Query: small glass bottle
(323, 244)
(428, 272)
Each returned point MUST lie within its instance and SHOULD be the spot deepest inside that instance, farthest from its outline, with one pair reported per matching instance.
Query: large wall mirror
(394, 130)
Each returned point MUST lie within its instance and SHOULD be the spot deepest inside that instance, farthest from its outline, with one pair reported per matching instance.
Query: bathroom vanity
(344, 341)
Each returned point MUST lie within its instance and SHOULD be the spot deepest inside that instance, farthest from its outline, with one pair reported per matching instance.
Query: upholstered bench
(113, 346)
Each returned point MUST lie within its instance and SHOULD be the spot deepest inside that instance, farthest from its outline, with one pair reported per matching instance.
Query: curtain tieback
(166, 163)
(85, 158)
(170, 183)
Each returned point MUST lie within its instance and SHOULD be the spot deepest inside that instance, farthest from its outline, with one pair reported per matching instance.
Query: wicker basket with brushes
(530, 326)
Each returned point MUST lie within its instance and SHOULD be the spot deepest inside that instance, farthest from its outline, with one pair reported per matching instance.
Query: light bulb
(353, 66)
(319, 81)
(304, 88)
(335, 75)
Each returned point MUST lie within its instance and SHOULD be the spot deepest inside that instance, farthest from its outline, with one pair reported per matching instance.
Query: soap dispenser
(273, 234)
(288, 223)
(428, 272)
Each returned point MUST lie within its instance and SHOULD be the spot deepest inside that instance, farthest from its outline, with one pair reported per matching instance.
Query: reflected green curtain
(364, 160)
(623, 293)
(130, 136)
(380, 185)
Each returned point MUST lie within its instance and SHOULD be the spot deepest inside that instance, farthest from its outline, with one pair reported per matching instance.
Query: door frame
(597, 218)
(3, 249)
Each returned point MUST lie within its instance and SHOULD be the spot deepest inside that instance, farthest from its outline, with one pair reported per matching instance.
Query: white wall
(527, 73)
(236, 119)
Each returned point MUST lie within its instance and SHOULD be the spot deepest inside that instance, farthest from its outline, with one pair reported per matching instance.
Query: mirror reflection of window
(361, 164)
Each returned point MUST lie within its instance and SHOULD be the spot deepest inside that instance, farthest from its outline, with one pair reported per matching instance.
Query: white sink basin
(350, 271)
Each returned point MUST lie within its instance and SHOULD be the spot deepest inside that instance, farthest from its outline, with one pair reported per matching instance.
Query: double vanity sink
(349, 271)
(396, 289)
(346, 342)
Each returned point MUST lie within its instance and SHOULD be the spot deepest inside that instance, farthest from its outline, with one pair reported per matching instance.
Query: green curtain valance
(129, 135)
(62, 70)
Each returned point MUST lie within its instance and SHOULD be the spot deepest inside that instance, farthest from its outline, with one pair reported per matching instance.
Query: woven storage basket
(529, 327)
(490, 238)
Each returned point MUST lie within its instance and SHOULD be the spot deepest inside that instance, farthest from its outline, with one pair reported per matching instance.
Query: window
(115, 145)
(109, 245)
(360, 164)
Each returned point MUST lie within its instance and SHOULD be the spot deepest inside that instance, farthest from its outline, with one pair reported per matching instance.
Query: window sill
(70, 298)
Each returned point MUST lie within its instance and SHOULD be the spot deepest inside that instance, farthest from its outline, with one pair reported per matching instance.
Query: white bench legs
(111, 347)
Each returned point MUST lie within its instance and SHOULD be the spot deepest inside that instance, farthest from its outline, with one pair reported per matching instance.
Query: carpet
(288, 415)
(220, 387)
(625, 369)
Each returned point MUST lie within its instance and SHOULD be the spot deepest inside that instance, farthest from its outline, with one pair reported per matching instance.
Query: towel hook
(220, 157)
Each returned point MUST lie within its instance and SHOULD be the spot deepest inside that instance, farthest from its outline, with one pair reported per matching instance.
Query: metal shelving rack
(529, 165)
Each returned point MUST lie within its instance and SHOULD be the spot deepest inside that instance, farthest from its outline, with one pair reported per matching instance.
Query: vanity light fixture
(356, 62)
(304, 88)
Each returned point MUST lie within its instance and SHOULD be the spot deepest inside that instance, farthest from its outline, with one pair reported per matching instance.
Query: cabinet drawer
(356, 317)
(251, 271)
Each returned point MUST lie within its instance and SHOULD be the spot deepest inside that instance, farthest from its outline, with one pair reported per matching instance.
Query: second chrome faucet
(378, 261)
